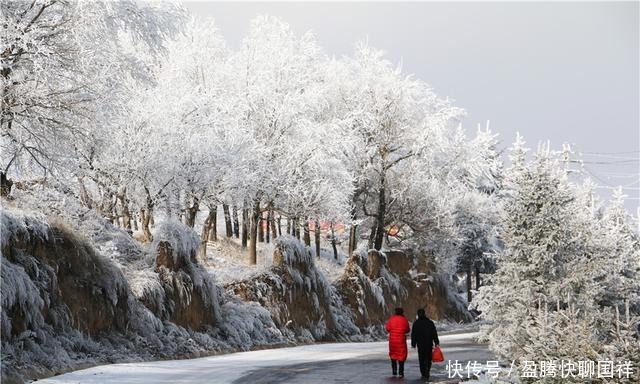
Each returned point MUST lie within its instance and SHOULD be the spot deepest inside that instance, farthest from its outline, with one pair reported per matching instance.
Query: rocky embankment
(70, 301)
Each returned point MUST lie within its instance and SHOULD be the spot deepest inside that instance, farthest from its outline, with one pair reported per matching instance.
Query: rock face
(65, 303)
(68, 300)
(299, 298)
(57, 280)
(189, 298)
(359, 292)
(383, 281)
(293, 290)
(178, 290)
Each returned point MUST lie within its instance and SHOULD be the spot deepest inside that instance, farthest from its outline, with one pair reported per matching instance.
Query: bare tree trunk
(333, 243)
(295, 227)
(372, 236)
(236, 226)
(191, 212)
(146, 218)
(289, 226)
(307, 235)
(5, 185)
(353, 232)
(382, 208)
(206, 229)
(253, 234)
(245, 227)
(274, 231)
(213, 225)
(477, 278)
(267, 232)
(146, 215)
(317, 237)
(84, 194)
(124, 202)
(107, 207)
(469, 285)
(227, 220)
(261, 228)
(135, 223)
(279, 225)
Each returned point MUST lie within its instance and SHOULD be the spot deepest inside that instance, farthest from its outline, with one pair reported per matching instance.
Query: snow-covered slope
(66, 304)
(70, 300)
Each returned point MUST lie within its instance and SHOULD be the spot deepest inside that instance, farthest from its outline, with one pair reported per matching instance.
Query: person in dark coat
(398, 327)
(424, 336)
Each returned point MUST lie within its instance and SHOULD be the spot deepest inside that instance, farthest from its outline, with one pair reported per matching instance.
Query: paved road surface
(318, 363)
(373, 367)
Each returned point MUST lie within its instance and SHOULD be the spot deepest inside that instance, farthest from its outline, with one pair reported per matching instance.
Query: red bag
(436, 355)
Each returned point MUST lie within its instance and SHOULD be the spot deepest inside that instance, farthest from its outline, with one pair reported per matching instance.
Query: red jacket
(398, 327)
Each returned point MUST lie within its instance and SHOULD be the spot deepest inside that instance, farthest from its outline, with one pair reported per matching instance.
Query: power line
(635, 182)
(619, 187)
(596, 176)
(612, 161)
(619, 175)
(611, 156)
(609, 153)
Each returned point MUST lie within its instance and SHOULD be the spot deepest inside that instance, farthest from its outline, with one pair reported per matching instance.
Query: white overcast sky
(565, 71)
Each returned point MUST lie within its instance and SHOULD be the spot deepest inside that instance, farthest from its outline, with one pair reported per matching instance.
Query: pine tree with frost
(620, 277)
(621, 255)
(543, 241)
(566, 281)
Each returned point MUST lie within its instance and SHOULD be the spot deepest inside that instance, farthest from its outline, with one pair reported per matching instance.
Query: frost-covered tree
(485, 162)
(620, 254)
(542, 242)
(192, 102)
(61, 65)
(561, 289)
(389, 117)
(276, 73)
(476, 217)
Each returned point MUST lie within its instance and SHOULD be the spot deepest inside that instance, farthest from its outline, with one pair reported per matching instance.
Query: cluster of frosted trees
(142, 113)
(567, 284)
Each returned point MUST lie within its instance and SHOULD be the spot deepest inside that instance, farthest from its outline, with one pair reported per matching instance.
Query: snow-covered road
(319, 363)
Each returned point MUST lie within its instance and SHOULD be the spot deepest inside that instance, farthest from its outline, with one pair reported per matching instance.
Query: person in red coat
(397, 326)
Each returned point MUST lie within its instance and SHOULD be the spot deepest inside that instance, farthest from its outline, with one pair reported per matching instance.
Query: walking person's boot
(394, 367)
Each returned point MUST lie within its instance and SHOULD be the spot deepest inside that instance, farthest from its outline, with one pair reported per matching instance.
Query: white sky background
(564, 72)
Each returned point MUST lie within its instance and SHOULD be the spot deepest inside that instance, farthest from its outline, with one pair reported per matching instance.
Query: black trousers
(424, 357)
(394, 367)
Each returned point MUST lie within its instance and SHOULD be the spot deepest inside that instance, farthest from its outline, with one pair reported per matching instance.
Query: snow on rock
(182, 239)
(385, 280)
(57, 291)
(70, 301)
(247, 324)
(23, 226)
(191, 298)
(296, 294)
(359, 292)
(65, 304)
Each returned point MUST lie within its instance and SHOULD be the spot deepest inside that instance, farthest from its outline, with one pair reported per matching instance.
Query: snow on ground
(227, 368)
(227, 261)
(331, 268)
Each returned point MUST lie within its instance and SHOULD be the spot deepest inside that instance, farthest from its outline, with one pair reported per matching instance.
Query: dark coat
(423, 333)
(398, 327)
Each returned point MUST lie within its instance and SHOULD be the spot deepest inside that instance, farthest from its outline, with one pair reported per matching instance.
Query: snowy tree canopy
(63, 70)
(142, 113)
